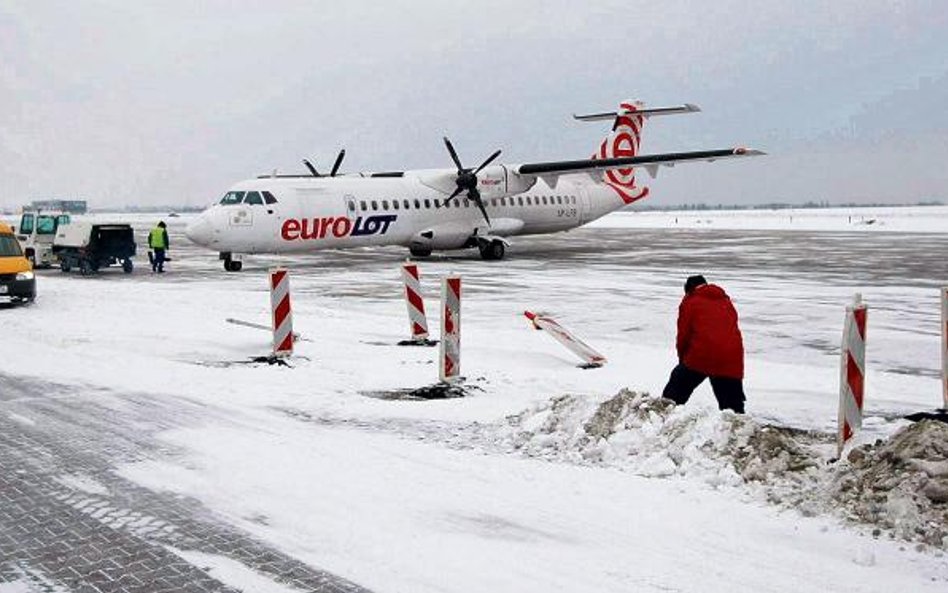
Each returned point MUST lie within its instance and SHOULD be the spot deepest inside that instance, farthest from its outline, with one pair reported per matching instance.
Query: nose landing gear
(230, 263)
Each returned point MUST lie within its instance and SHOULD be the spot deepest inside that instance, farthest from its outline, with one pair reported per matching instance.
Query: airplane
(440, 209)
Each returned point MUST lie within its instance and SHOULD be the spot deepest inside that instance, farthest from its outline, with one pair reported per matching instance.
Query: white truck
(36, 232)
(91, 245)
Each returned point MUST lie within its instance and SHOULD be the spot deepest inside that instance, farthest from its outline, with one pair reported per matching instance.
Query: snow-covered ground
(517, 487)
(913, 219)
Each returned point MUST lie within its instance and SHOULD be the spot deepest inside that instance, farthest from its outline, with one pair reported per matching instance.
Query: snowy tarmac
(306, 483)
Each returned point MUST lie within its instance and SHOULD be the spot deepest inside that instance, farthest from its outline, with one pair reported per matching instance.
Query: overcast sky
(170, 102)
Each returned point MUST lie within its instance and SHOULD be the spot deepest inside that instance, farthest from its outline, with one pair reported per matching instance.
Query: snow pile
(655, 438)
(900, 485)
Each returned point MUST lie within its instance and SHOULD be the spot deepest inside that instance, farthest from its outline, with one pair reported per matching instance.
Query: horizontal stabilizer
(648, 112)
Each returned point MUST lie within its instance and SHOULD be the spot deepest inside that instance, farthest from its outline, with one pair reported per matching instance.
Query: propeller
(335, 166)
(467, 178)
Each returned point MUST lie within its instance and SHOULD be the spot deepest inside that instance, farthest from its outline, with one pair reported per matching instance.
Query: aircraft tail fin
(624, 141)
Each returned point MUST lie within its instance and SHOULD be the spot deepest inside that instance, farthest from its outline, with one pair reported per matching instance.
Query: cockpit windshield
(251, 198)
(232, 197)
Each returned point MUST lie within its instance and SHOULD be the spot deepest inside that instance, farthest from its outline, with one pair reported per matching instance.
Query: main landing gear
(492, 250)
(231, 264)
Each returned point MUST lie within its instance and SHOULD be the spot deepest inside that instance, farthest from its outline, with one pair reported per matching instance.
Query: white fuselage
(313, 213)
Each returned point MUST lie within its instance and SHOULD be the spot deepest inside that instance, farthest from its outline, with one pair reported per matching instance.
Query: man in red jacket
(709, 346)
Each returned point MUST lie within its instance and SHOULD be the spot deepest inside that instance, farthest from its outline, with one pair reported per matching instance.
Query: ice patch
(22, 420)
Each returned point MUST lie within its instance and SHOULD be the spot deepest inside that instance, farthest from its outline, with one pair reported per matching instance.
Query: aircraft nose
(200, 231)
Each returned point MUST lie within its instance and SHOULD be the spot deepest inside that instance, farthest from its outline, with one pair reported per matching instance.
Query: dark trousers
(683, 381)
(158, 264)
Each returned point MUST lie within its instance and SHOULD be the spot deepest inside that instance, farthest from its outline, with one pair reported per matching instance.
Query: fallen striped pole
(590, 358)
(852, 379)
(450, 350)
(944, 346)
(417, 320)
(282, 313)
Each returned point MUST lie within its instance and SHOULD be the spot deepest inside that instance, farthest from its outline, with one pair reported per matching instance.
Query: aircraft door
(351, 211)
(584, 205)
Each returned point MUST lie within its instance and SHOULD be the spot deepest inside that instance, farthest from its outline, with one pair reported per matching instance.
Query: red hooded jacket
(709, 340)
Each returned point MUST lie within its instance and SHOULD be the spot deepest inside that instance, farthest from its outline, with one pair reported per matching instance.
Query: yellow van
(17, 283)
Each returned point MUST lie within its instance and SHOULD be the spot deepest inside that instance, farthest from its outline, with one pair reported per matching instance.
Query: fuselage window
(233, 197)
(427, 203)
(362, 205)
(437, 204)
(417, 204)
(572, 199)
(384, 204)
(268, 198)
(253, 198)
(467, 203)
(520, 200)
(395, 204)
(375, 205)
(351, 205)
(447, 203)
(503, 201)
(406, 204)
(529, 201)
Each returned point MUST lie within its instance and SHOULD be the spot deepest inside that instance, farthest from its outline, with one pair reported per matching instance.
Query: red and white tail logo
(623, 142)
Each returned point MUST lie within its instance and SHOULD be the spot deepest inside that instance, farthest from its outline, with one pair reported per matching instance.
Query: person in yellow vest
(158, 242)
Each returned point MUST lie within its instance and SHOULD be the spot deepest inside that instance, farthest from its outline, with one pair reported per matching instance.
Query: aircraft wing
(651, 162)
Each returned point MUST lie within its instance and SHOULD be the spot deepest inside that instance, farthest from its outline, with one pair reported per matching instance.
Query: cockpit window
(253, 198)
(268, 198)
(233, 197)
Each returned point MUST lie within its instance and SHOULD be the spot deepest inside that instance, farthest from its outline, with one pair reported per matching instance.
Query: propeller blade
(311, 168)
(454, 155)
(454, 195)
(475, 195)
(335, 167)
(489, 160)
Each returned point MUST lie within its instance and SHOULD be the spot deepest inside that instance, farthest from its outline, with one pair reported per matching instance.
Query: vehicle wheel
(32, 259)
(127, 266)
(64, 265)
(85, 267)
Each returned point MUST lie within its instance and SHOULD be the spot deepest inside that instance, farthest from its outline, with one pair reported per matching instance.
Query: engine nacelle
(497, 181)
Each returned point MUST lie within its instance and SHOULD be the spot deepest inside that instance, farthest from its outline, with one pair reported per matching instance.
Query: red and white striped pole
(944, 345)
(450, 349)
(282, 313)
(852, 378)
(417, 319)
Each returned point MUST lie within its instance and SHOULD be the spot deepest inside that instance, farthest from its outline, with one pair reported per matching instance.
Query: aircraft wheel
(233, 265)
(493, 251)
(419, 251)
